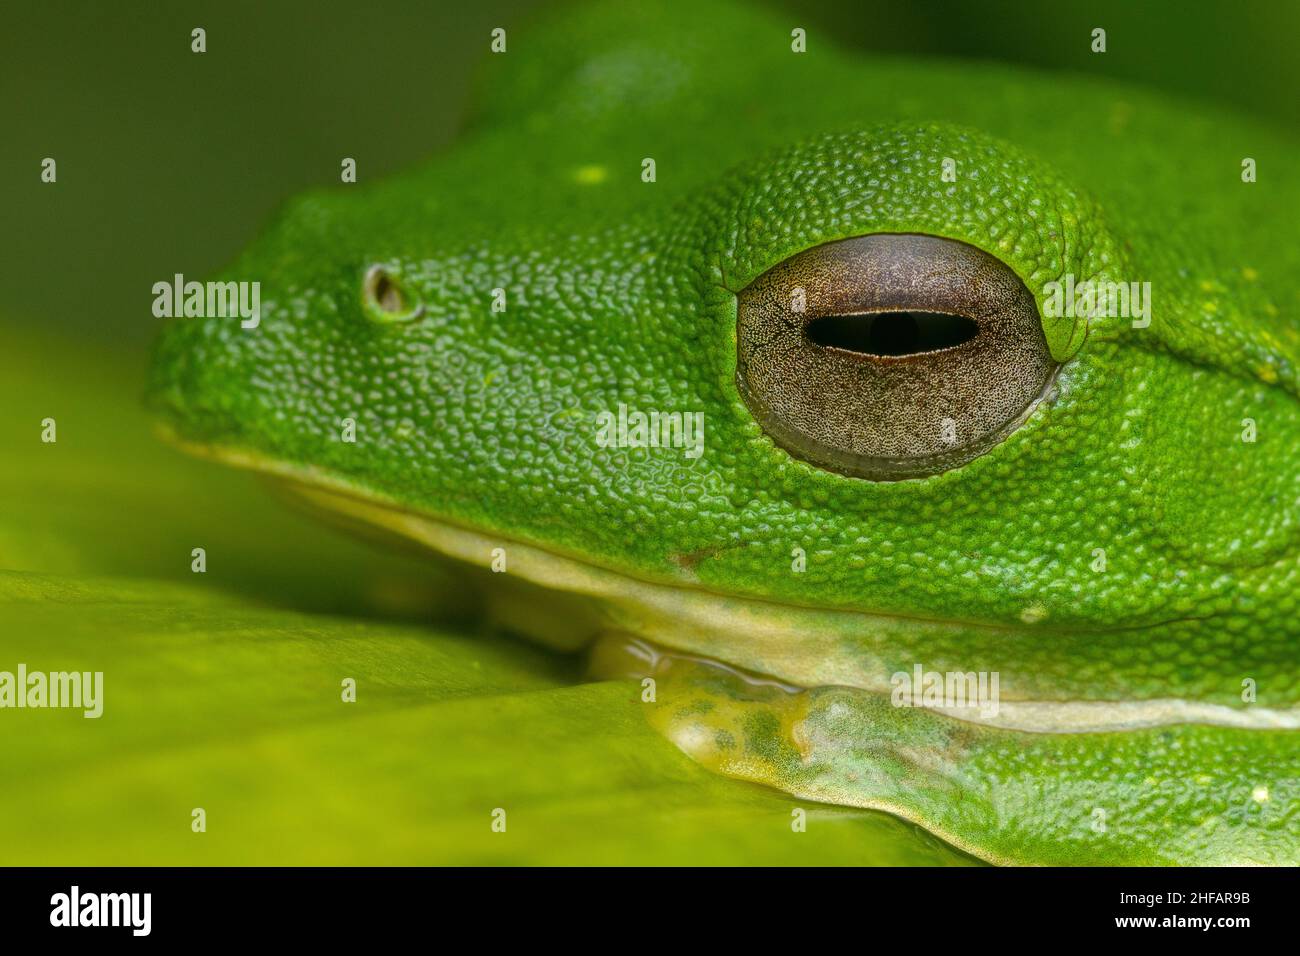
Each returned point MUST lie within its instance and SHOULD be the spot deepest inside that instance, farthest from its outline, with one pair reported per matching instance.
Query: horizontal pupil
(892, 333)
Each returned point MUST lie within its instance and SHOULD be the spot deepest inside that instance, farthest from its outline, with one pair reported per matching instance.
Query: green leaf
(224, 690)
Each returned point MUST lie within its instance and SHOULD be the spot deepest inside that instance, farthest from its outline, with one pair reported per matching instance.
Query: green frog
(922, 436)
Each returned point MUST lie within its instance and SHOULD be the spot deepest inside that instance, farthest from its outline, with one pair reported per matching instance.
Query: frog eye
(890, 356)
(386, 300)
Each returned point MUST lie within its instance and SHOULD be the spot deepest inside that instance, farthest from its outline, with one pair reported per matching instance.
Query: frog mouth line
(659, 613)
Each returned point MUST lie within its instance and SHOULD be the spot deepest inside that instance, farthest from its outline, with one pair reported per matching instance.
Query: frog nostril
(385, 299)
(892, 334)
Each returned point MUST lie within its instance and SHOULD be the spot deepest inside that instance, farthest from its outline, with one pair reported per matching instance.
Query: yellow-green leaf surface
(223, 690)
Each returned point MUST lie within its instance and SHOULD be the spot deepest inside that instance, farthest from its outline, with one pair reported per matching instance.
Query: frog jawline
(675, 608)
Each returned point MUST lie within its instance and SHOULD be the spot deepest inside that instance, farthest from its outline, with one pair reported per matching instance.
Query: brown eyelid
(940, 393)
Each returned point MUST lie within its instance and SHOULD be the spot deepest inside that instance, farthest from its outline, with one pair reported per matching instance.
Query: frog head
(927, 434)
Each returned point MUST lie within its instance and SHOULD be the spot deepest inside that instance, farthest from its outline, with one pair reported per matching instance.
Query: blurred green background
(223, 692)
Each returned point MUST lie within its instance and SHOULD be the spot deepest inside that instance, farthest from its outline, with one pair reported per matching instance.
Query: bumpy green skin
(621, 291)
